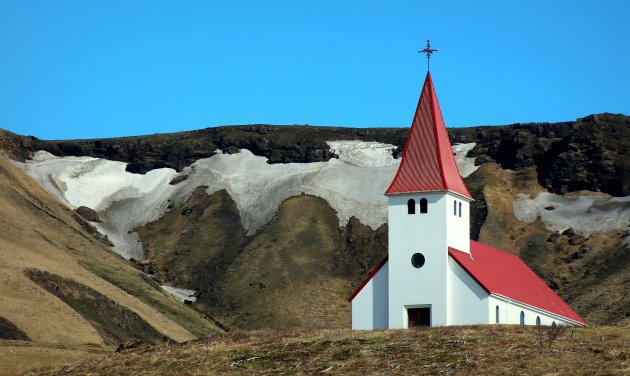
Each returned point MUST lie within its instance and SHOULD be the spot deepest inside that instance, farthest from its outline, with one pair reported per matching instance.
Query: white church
(434, 275)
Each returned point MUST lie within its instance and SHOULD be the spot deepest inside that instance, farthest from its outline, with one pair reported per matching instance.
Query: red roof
(505, 274)
(368, 278)
(427, 162)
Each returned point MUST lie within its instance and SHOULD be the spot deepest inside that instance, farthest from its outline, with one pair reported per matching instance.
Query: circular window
(417, 260)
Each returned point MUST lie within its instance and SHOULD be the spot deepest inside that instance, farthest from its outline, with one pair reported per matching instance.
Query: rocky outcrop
(588, 154)
(88, 213)
(279, 144)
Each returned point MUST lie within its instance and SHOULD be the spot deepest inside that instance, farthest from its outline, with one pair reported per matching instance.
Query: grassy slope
(286, 275)
(39, 233)
(488, 350)
(296, 271)
(115, 323)
(21, 356)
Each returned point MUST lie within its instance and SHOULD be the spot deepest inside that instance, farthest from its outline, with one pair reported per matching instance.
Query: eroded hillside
(260, 253)
(60, 282)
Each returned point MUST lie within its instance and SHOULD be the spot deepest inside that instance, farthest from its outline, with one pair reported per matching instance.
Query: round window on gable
(417, 260)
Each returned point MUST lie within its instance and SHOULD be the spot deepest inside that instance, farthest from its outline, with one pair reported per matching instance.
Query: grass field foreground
(484, 350)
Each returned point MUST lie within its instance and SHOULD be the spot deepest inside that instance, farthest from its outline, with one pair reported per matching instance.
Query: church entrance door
(419, 317)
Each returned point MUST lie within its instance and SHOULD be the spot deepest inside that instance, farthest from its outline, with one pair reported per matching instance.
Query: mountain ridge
(568, 155)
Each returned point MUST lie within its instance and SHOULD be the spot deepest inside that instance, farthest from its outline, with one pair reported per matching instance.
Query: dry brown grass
(483, 350)
(291, 273)
(21, 356)
(38, 232)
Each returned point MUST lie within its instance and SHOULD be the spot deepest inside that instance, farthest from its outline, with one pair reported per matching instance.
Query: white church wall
(417, 233)
(370, 305)
(467, 301)
(458, 223)
(510, 313)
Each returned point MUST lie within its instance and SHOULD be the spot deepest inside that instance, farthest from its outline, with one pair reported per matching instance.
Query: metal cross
(428, 50)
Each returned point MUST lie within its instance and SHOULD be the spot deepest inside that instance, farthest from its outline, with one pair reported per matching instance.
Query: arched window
(496, 318)
(411, 206)
(538, 320)
(522, 318)
(460, 209)
(454, 207)
(423, 205)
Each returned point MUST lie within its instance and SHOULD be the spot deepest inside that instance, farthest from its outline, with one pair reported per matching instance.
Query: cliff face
(588, 154)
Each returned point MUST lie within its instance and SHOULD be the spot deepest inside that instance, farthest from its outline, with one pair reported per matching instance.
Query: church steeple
(427, 162)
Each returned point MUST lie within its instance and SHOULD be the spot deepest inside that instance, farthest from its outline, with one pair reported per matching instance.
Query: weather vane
(428, 50)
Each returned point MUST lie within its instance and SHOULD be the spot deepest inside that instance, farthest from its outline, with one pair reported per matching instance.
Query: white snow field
(353, 185)
(123, 200)
(584, 214)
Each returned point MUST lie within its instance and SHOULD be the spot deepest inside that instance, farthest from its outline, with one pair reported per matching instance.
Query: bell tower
(428, 211)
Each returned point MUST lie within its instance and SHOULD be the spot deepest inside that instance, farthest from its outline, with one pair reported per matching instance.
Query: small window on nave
(460, 209)
(496, 314)
(455, 207)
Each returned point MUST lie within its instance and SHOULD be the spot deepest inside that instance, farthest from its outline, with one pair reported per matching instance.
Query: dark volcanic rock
(577, 240)
(588, 154)
(553, 238)
(178, 179)
(88, 213)
(279, 144)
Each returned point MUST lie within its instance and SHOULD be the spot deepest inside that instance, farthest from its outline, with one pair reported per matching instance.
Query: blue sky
(86, 69)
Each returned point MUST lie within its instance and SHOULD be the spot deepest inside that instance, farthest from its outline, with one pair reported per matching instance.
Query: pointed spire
(427, 162)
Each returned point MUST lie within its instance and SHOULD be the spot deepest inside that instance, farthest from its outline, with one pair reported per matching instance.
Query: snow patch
(122, 199)
(180, 294)
(362, 153)
(353, 185)
(352, 188)
(584, 214)
(465, 165)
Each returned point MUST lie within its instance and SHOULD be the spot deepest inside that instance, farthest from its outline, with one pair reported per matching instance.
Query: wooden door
(419, 317)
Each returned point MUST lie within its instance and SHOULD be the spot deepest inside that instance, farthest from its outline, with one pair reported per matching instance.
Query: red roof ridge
(438, 146)
(368, 278)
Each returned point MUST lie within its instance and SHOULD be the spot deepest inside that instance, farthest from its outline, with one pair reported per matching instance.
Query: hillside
(284, 218)
(489, 350)
(61, 284)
